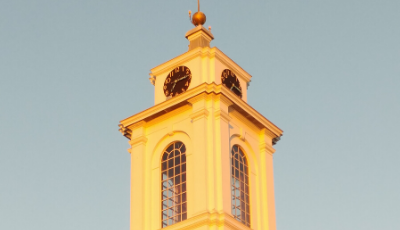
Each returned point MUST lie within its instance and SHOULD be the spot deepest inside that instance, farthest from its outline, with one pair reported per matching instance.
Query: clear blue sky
(326, 72)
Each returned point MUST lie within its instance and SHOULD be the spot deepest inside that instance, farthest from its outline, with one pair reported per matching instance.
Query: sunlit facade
(201, 157)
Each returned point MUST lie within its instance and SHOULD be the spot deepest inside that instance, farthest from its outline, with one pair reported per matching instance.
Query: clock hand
(177, 81)
(174, 85)
(237, 88)
(182, 78)
(232, 87)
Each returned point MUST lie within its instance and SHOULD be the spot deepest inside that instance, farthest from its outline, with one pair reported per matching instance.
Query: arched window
(240, 186)
(173, 185)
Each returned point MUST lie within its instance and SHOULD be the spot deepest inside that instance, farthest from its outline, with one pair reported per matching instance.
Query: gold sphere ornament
(199, 18)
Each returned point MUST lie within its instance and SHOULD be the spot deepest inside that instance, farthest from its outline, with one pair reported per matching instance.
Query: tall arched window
(240, 186)
(173, 195)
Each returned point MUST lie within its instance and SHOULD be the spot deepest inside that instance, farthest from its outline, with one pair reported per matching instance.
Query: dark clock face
(230, 80)
(177, 81)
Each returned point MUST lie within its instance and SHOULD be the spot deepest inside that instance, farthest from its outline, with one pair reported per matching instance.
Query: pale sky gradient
(327, 72)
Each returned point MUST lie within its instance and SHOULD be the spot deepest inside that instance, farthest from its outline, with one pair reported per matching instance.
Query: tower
(201, 157)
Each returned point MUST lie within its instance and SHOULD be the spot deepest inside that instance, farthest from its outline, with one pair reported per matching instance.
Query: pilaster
(138, 150)
(222, 153)
(267, 181)
(197, 188)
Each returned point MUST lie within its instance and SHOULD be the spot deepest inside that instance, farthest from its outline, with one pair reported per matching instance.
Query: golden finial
(199, 18)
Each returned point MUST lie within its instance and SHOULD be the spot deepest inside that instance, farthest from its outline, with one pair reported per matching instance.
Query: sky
(327, 72)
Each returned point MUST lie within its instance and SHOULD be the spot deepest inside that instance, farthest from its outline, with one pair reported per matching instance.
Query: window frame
(240, 186)
(173, 184)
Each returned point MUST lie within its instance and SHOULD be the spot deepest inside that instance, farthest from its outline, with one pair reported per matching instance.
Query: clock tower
(201, 157)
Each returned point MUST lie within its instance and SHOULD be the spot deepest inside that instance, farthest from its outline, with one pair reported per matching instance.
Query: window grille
(173, 194)
(240, 186)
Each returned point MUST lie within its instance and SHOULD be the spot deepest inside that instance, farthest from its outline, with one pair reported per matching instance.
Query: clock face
(177, 81)
(230, 80)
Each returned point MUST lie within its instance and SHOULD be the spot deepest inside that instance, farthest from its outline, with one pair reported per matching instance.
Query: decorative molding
(249, 112)
(137, 141)
(236, 115)
(199, 37)
(242, 134)
(264, 147)
(223, 115)
(203, 113)
(126, 132)
(170, 113)
(170, 130)
(225, 100)
(198, 29)
(237, 104)
(239, 71)
(197, 98)
(152, 79)
(137, 125)
(275, 140)
(268, 133)
(209, 219)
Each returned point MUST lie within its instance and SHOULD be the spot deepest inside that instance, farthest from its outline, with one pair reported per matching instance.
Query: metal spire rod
(198, 5)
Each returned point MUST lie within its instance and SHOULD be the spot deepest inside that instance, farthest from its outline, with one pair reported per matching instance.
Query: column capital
(265, 147)
(223, 115)
(224, 99)
(203, 113)
(137, 141)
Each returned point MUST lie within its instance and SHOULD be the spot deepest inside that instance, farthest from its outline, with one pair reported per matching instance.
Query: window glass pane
(164, 175)
(165, 156)
(164, 194)
(164, 166)
(170, 163)
(173, 184)
(170, 172)
(164, 185)
(183, 149)
(177, 170)
(177, 160)
(177, 179)
(240, 187)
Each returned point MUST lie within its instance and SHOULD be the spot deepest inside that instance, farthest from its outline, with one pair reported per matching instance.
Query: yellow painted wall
(209, 129)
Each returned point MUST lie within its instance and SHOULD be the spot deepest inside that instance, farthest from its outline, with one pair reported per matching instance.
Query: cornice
(232, 64)
(236, 115)
(169, 113)
(209, 219)
(250, 113)
(199, 29)
(200, 97)
(183, 99)
(137, 125)
(126, 132)
(224, 99)
(167, 66)
(152, 79)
